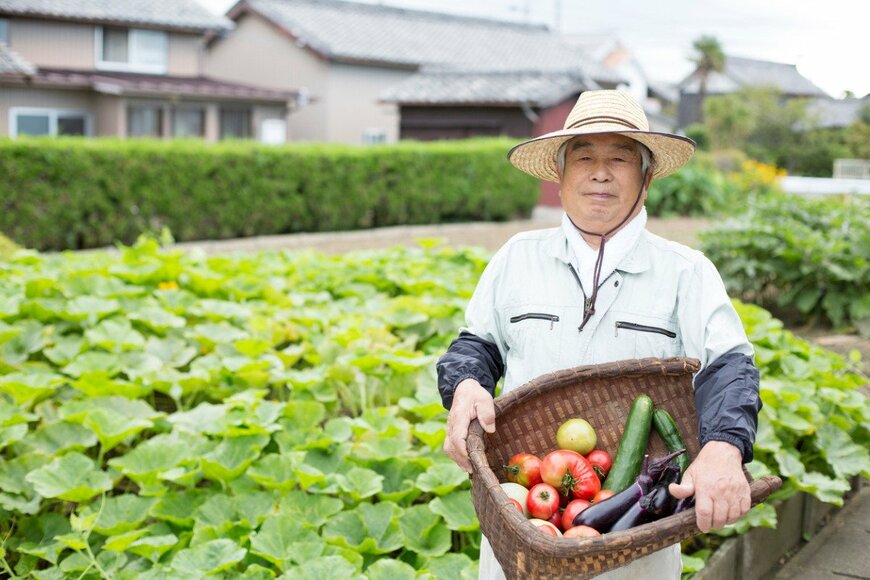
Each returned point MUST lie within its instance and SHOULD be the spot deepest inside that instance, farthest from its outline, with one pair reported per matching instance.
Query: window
(374, 136)
(188, 122)
(235, 123)
(4, 30)
(48, 122)
(144, 121)
(131, 49)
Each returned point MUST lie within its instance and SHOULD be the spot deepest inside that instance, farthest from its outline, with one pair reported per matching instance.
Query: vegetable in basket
(632, 445)
(602, 515)
(651, 506)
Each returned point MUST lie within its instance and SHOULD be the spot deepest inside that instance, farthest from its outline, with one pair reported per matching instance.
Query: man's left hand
(716, 479)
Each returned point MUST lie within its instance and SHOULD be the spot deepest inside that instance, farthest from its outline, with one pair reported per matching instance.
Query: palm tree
(708, 58)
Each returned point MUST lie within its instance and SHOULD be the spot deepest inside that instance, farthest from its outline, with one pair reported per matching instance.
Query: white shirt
(662, 299)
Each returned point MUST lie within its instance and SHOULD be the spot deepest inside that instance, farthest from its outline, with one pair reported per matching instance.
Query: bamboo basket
(526, 421)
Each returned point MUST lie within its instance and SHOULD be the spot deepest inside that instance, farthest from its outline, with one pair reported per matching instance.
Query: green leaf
(760, 516)
(360, 483)
(400, 476)
(90, 361)
(115, 335)
(120, 542)
(823, 487)
(281, 540)
(431, 433)
(179, 508)
(692, 564)
(99, 384)
(385, 569)
(424, 531)
(276, 471)
(39, 536)
(72, 477)
(442, 478)
(457, 510)
(120, 514)
(27, 388)
(208, 558)
(309, 510)
(11, 415)
(60, 436)
(153, 547)
(844, 456)
(157, 319)
(112, 429)
(172, 351)
(232, 457)
(450, 566)
(369, 528)
(325, 567)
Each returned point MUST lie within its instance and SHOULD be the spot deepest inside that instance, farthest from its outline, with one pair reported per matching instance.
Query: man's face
(601, 181)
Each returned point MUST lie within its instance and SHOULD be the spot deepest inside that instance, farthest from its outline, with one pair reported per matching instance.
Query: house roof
(164, 14)
(508, 88)
(351, 32)
(746, 72)
(831, 113)
(142, 85)
(12, 64)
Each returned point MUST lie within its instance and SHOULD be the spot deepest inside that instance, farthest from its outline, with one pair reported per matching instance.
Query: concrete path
(841, 550)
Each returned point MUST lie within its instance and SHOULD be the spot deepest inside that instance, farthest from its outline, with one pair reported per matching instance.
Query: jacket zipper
(641, 328)
(536, 315)
(587, 301)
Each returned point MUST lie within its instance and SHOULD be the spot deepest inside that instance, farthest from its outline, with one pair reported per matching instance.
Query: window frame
(374, 136)
(53, 116)
(131, 65)
(161, 114)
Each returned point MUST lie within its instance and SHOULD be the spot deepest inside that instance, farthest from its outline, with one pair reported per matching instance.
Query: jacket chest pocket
(534, 332)
(626, 335)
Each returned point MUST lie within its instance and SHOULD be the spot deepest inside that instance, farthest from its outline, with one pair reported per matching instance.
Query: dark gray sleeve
(728, 402)
(468, 357)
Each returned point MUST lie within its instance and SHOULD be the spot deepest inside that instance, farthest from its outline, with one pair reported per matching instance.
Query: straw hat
(599, 112)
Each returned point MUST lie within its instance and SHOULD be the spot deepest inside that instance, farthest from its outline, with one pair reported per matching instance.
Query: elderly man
(602, 288)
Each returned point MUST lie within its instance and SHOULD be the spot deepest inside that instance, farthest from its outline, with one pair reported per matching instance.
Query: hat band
(590, 120)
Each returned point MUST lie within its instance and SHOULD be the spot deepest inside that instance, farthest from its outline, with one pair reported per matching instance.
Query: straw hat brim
(537, 156)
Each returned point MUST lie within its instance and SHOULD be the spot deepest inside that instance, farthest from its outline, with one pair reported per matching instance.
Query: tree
(709, 58)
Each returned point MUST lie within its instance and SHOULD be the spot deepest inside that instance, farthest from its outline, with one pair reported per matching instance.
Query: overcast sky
(826, 39)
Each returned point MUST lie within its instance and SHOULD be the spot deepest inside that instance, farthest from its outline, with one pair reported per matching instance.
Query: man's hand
(717, 481)
(470, 401)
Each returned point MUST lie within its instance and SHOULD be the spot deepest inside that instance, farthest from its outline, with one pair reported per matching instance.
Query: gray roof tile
(836, 112)
(354, 32)
(746, 72)
(539, 89)
(12, 63)
(168, 14)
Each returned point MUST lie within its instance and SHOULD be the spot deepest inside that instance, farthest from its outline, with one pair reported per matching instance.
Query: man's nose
(601, 172)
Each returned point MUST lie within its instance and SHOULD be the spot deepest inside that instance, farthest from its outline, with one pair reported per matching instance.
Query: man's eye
(620, 159)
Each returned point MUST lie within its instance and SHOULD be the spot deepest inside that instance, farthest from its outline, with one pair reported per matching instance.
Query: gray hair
(643, 151)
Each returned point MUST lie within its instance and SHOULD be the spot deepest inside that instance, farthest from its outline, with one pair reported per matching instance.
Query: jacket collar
(636, 261)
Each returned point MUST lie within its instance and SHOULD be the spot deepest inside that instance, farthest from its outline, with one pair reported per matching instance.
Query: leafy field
(173, 415)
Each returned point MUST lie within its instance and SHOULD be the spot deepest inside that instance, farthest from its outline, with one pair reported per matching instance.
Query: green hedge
(74, 193)
(806, 258)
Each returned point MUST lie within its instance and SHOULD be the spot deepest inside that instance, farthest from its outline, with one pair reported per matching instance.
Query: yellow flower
(171, 285)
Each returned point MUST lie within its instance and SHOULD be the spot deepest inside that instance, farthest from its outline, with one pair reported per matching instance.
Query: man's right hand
(470, 401)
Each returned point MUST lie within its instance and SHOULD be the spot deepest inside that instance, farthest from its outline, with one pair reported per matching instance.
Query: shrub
(74, 193)
(806, 257)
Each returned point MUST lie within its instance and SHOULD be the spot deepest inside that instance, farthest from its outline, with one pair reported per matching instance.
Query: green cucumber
(670, 434)
(632, 445)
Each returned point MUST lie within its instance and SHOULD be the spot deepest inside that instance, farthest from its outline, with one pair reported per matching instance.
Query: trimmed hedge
(82, 193)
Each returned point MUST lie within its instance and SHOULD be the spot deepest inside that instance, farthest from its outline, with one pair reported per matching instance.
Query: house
(827, 113)
(375, 70)
(126, 68)
(740, 73)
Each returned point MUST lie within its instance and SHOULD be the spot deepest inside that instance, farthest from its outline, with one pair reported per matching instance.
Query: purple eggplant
(659, 502)
(633, 516)
(684, 504)
(604, 513)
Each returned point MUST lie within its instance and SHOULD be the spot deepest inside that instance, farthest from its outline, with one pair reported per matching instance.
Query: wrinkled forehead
(604, 141)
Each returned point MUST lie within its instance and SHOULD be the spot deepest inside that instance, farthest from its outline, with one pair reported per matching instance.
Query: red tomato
(601, 462)
(546, 527)
(519, 506)
(603, 495)
(525, 469)
(556, 519)
(543, 501)
(570, 473)
(580, 532)
(575, 507)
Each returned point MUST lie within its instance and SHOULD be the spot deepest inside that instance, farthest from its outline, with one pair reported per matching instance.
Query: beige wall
(354, 92)
(185, 54)
(70, 45)
(256, 53)
(43, 99)
(53, 44)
